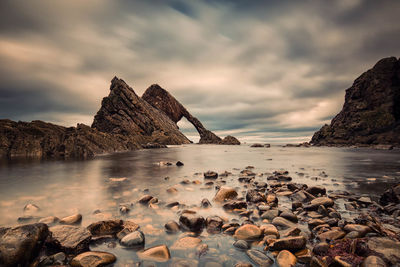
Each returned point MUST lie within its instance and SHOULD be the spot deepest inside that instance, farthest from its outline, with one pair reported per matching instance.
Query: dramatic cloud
(261, 70)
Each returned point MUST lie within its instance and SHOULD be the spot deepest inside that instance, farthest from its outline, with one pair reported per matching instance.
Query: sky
(263, 71)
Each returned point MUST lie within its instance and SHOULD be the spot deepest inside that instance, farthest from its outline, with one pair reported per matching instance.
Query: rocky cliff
(371, 111)
(124, 122)
(46, 140)
(162, 100)
(123, 112)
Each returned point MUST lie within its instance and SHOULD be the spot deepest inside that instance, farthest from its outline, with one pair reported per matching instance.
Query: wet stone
(321, 248)
(186, 242)
(248, 232)
(270, 214)
(225, 193)
(316, 190)
(71, 220)
(172, 227)
(71, 239)
(241, 244)
(145, 199)
(289, 216)
(93, 259)
(19, 245)
(214, 224)
(254, 196)
(191, 222)
(133, 239)
(158, 254)
(210, 175)
(286, 259)
(331, 235)
(110, 227)
(373, 261)
(231, 205)
(282, 223)
(289, 243)
(205, 203)
(259, 258)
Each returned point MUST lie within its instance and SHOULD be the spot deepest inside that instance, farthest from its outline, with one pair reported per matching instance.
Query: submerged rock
(19, 245)
(259, 258)
(187, 242)
(158, 254)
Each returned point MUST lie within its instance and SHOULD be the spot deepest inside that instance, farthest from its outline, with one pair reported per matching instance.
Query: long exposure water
(62, 188)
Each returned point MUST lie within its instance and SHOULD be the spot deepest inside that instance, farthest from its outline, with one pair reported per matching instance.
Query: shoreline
(274, 221)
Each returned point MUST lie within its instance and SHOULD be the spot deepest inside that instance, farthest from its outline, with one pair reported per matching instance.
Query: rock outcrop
(125, 113)
(46, 140)
(124, 122)
(162, 100)
(371, 112)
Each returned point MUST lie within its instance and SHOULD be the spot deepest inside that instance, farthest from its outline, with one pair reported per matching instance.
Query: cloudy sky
(261, 70)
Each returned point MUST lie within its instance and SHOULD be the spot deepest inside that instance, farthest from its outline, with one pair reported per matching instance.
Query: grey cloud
(248, 66)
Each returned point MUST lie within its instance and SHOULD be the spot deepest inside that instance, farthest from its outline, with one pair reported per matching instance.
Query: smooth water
(62, 188)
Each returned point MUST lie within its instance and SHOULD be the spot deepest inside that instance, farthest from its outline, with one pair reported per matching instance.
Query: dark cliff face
(162, 100)
(45, 140)
(371, 112)
(123, 112)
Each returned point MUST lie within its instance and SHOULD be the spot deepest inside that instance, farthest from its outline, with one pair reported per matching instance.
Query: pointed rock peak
(117, 83)
(384, 63)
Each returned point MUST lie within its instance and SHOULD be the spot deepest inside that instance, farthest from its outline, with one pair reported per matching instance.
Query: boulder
(21, 244)
(134, 239)
(70, 239)
(230, 140)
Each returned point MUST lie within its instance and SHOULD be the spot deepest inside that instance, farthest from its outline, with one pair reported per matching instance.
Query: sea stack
(371, 111)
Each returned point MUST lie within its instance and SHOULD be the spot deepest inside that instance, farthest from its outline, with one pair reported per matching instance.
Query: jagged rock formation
(371, 112)
(123, 112)
(162, 100)
(46, 140)
(124, 122)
